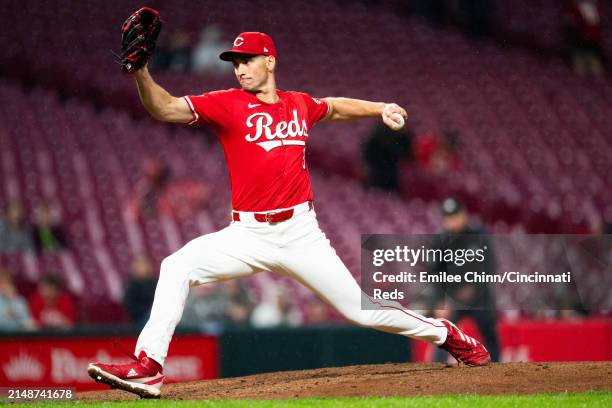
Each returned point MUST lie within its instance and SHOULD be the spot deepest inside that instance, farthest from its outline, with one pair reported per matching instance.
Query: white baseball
(397, 119)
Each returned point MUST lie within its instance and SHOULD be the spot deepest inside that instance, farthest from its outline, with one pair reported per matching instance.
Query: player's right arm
(158, 102)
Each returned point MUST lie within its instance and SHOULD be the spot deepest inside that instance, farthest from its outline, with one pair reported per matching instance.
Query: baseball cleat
(143, 377)
(463, 348)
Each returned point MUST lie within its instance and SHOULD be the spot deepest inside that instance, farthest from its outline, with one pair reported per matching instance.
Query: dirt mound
(391, 380)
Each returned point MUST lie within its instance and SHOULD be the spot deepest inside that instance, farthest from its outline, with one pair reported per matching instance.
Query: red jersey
(264, 144)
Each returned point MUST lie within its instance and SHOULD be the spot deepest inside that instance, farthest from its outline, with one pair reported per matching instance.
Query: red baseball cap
(252, 43)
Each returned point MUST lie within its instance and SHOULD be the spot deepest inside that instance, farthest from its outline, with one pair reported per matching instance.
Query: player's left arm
(347, 109)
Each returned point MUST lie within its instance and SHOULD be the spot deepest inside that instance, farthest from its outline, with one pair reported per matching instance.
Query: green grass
(588, 399)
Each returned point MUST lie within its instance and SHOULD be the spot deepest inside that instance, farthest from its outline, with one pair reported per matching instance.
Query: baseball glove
(139, 33)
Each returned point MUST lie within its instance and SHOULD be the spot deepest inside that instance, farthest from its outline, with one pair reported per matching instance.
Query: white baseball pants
(296, 248)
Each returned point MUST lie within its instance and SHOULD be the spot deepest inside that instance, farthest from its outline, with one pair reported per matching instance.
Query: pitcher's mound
(391, 380)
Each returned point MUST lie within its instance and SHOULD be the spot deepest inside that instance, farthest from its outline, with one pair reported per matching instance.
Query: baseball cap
(250, 42)
(451, 206)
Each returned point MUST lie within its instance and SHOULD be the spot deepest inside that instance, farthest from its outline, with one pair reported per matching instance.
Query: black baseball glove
(139, 33)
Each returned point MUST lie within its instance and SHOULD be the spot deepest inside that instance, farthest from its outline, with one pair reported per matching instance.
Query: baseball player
(263, 131)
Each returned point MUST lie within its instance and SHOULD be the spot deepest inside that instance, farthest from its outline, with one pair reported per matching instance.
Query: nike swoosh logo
(252, 105)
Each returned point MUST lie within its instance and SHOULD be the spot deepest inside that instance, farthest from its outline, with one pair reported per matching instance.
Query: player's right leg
(229, 253)
(311, 260)
(318, 267)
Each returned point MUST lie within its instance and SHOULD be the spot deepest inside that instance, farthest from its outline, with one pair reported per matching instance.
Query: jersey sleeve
(208, 108)
(317, 109)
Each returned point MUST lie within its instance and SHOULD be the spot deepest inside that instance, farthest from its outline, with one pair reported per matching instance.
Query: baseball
(398, 121)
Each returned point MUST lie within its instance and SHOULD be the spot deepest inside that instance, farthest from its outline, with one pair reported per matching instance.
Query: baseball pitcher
(264, 132)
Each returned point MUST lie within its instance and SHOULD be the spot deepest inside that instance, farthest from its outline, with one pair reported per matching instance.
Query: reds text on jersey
(264, 144)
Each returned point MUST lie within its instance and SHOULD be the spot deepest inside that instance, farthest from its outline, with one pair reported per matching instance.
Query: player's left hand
(394, 116)
(139, 34)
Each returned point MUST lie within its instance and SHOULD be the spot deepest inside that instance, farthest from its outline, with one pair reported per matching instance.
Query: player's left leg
(230, 253)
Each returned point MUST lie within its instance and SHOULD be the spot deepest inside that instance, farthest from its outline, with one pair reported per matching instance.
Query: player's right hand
(139, 34)
(394, 116)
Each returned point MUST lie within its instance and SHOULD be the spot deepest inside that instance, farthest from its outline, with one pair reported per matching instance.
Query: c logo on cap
(238, 41)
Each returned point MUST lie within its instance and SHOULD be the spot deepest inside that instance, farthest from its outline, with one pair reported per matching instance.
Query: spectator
(474, 300)
(14, 310)
(144, 201)
(173, 52)
(205, 308)
(214, 306)
(139, 290)
(279, 310)
(316, 312)
(584, 37)
(49, 234)
(438, 154)
(158, 194)
(51, 306)
(206, 52)
(15, 234)
(240, 302)
(382, 154)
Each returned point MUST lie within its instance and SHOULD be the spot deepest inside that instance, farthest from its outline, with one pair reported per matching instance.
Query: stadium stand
(535, 142)
(498, 100)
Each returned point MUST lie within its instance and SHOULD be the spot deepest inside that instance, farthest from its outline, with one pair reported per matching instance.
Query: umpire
(455, 301)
